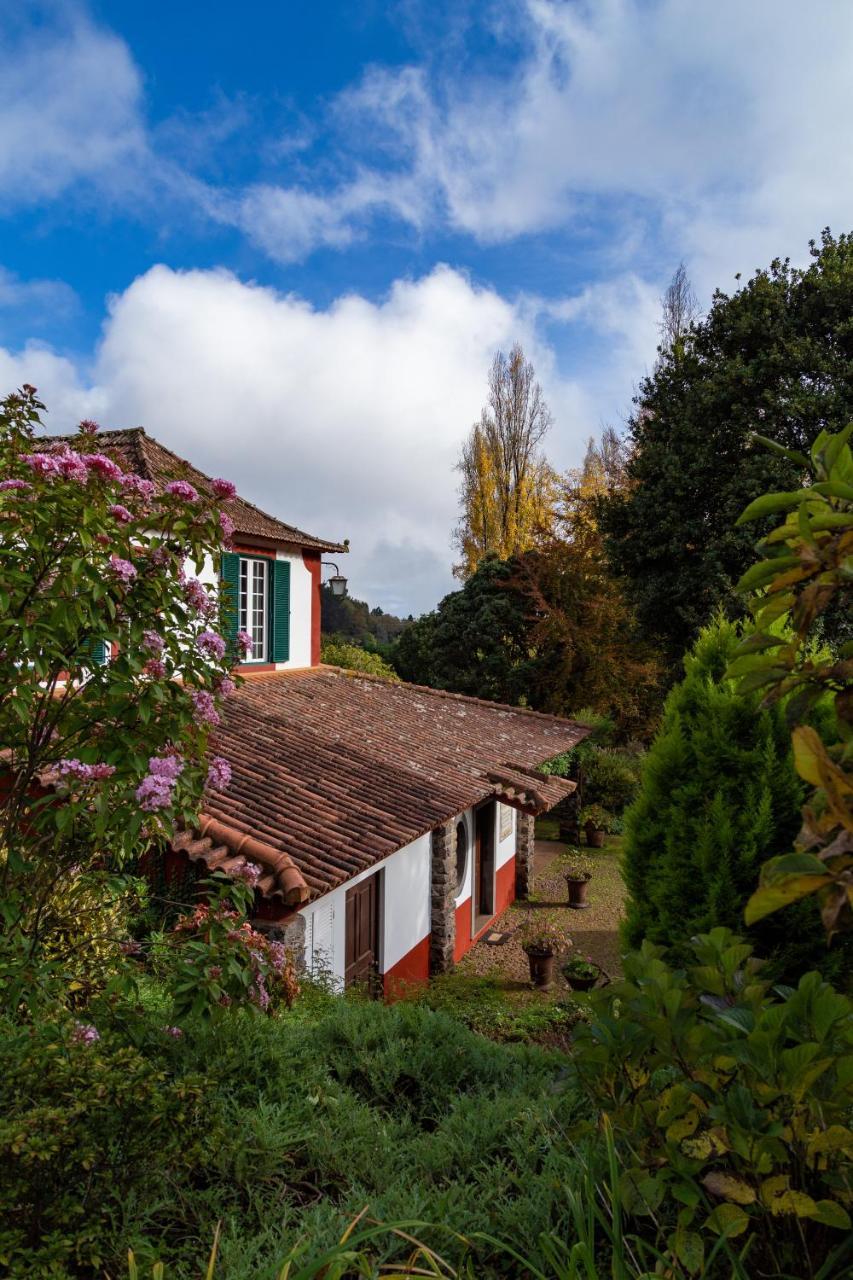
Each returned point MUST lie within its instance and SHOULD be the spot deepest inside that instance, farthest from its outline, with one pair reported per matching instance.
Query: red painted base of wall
(412, 969)
(504, 895)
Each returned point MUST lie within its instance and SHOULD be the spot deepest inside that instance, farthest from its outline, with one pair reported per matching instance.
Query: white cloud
(347, 420)
(70, 111)
(719, 127)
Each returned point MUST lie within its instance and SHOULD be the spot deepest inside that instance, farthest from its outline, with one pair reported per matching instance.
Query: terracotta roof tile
(339, 770)
(138, 452)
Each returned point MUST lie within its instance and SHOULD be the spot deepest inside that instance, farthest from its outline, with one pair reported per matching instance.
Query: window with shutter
(280, 611)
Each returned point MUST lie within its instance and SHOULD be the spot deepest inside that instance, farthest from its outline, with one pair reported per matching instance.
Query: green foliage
(213, 959)
(806, 570)
(611, 777)
(540, 931)
(353, 658)
(482, 1005)
(80, 1121)
(476, 642)
(295, 1127)
(730, 1104)
(719, 796)
(776, 354)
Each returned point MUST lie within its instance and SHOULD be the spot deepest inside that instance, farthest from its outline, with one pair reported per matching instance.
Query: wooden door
(362, 932)
(484, 864)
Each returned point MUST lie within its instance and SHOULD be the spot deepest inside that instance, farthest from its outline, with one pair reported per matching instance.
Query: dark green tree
(477, 640)
(775, 357)
(719, 795)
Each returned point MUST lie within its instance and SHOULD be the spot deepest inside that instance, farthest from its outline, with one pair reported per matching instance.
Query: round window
(461, 854)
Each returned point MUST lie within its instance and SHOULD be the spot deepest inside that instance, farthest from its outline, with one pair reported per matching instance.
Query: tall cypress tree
(719, 795)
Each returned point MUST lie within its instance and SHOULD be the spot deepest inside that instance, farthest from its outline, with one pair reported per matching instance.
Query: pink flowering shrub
(218, 961)
(92, 564)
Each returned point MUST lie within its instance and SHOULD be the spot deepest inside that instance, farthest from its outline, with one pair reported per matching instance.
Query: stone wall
(524, 841)
(291, 932)
(443, 898)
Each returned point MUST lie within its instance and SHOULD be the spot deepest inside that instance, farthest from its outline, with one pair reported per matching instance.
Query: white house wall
(301, 597)
(301, 592)
(404, 913)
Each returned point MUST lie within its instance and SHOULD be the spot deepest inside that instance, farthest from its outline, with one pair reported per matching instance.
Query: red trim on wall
(311, 560)
(504, 895)
(412, 969)
(463, 929)
(504, 886)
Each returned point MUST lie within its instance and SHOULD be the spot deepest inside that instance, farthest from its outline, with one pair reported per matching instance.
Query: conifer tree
(719, 795)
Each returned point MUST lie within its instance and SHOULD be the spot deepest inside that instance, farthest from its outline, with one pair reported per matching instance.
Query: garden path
(593, 934)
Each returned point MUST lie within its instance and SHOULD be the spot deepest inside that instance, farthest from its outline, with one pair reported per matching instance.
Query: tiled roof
(136, 451)
(339, 770)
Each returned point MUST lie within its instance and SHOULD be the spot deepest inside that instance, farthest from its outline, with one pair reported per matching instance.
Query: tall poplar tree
(507, 485)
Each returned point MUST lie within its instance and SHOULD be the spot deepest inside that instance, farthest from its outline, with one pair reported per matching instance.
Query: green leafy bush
(352, 657)
(719, 796)
(298, 1123)
(611, 777)
(730, 1103)
(87, 1121)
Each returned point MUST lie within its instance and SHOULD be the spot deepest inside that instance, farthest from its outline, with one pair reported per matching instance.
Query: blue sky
(287, 238)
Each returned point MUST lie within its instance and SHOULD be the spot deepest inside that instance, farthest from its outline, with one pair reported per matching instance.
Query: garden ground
(593, 933)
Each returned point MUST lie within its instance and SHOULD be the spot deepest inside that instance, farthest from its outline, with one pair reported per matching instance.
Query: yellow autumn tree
(508, 489)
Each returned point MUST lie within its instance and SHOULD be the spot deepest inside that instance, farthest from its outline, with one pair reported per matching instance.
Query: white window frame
(253, 605)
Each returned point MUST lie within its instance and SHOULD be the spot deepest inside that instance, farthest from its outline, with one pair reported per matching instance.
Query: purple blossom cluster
(136, 484)
(43, 464)
(199, 598)
(218, 773)
(123, 569)
(224, 489)
(156, 668)
(211, 644)
(204, 707)
(104, 466)
(155, 791)
(226, 524)
(153, 642)
(81, 772)
(249, 873)
(245, 642)
(120, 513)
(6, 485)
(182, 489)
(225, 686)
(84, 1033)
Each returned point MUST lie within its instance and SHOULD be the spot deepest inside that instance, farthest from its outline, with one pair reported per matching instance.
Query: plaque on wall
(506, 821)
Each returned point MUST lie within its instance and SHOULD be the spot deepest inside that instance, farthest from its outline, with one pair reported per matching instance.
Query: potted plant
(540, 940)
(581, 973)
(578, 875)
(596, 821)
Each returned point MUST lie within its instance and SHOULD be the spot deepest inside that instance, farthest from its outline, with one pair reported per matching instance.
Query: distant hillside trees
(372, 628)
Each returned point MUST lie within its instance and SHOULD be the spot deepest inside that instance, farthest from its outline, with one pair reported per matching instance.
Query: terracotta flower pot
(578, 888)
(541, 969)
(594, 836)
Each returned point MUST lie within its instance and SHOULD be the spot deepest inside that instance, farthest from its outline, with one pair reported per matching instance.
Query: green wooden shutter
(98, 650)
(280, 610)
(229, 582)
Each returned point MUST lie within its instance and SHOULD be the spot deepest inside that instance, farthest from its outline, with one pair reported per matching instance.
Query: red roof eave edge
(293, 887)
